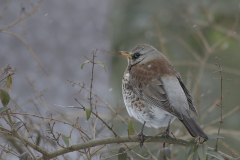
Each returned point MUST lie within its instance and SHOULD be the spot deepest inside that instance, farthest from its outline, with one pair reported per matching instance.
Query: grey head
(141, 54)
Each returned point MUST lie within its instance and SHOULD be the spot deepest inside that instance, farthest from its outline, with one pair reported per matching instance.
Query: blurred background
(60, 33)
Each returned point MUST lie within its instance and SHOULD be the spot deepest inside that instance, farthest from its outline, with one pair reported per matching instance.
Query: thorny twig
(50, 131)
(91, 86)
(221, 99)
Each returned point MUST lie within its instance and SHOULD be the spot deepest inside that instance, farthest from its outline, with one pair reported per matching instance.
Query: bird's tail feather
(193, 128)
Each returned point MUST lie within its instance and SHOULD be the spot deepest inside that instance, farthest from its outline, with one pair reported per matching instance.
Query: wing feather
(189, 97)
(149, 86)
(155, 94)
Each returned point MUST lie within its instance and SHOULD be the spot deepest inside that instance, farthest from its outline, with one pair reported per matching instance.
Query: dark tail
(193, 128)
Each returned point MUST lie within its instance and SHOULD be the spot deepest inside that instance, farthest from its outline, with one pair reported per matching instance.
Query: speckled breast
(131, 100)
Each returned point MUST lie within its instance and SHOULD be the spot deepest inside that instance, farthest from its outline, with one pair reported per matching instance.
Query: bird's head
(141, 54)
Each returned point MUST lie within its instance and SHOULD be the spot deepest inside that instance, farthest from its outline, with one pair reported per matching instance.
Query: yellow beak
(125, 53)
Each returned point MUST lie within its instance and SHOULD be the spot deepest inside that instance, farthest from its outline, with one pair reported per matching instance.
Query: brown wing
(156, 94)
(147, 84)
(153, 93)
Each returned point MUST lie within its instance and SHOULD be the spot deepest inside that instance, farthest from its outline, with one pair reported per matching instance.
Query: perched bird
(154, 92)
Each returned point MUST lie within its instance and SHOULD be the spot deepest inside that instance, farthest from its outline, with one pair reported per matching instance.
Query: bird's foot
(204, 140)
(167, 131)
(142, 135)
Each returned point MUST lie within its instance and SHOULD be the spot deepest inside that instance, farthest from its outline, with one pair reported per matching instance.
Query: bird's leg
(166, 134)
(167, 130)
(142, 135)
(205, 139)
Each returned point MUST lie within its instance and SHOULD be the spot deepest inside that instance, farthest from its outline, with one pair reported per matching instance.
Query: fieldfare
(154, 92)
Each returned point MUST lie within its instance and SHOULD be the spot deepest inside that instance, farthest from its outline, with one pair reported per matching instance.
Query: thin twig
(110, 128)
(229, 147)
(29, 48)
(109, 106)
(22, 18)
(4, 11)
(119, 153)
(191, 50)
(14, 133)
(98, 149)
(216, 27)
(94, 131)
(125, 139)
(91, 86)
(160, 37)
(208, 66)
(223, 117)
(221, 100)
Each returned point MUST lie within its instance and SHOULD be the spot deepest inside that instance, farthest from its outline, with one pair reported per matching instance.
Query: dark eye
(136, 55)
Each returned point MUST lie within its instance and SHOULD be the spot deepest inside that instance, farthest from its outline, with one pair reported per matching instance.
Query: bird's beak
(125, 53)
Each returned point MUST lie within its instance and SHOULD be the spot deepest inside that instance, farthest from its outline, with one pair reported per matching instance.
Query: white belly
(159, 118)
(154, 116)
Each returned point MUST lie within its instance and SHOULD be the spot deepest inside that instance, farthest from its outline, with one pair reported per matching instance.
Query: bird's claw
(166, 133)
(141, 136)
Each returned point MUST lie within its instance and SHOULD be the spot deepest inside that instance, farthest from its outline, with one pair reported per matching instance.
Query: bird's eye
(136, 55)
